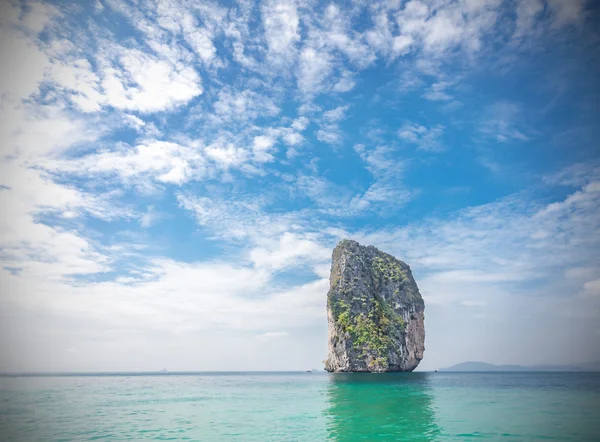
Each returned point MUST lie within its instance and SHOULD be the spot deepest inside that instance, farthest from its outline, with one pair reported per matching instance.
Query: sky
(175, 175)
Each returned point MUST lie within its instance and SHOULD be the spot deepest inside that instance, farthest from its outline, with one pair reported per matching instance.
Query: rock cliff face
(374, 310)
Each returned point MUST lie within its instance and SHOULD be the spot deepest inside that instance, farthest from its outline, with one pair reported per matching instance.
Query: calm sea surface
(302, 407)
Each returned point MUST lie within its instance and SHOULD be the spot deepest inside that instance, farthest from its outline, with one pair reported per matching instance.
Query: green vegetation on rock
(387, 269)
(374, 333)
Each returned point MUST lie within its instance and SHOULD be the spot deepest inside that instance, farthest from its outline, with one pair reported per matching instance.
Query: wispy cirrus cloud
(427, 139)
(329, 131)
(501, 121)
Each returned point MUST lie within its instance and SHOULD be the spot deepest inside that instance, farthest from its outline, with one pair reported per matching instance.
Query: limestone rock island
(375, 312)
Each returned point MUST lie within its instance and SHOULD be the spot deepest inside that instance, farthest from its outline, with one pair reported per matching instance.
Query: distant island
(484, 366)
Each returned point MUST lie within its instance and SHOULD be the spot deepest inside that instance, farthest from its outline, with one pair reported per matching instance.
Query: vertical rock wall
(375, 312)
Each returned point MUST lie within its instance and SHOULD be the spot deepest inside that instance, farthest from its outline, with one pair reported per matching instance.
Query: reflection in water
(386, 406)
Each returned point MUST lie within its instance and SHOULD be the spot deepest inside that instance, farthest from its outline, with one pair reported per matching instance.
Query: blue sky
(175, 175)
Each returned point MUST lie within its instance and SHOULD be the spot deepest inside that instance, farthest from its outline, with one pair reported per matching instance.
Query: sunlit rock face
(375, 312)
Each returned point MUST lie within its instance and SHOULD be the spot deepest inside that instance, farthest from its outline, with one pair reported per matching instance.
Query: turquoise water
(303, 407)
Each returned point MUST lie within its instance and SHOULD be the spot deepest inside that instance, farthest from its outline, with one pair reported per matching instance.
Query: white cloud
(289, 250)
(300, 123)
(134, 121)
(181, 298)
(329, 44)
(150, 217)
(329, 131)
(528, 11)
(112, 75)
(201, 41)
(163, 161)
(567, 12)
(34, 248)
(401, 44)
(592, 288)
(425, 139)
(412, 132)
(387, 190)
(273, 335)
(335, 115)
(380, 37)
(500, 121)
(345, 83)
(227, 155)
(164, 22)
(281, 23)
(437, 92)
(244, 218)
(243, 105)
(443, 26)
(315, 67)
(133, 80)
(261, 147)
(147, 84)
(329, 134)
(33, 134)
(293, 138)
(336, 34)
(29, 138)
(381, 193)
(23, 66)
(380, 161)
(39, 15)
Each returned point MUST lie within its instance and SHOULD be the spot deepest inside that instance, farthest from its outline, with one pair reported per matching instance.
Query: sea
(288, 406)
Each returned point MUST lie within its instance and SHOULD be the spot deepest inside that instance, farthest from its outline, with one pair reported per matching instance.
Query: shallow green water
(303, 406)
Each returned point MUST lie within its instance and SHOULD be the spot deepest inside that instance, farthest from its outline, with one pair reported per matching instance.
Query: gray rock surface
(375, 312)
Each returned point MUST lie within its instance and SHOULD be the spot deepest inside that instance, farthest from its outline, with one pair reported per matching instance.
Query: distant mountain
(484, 366)
(593, 366)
